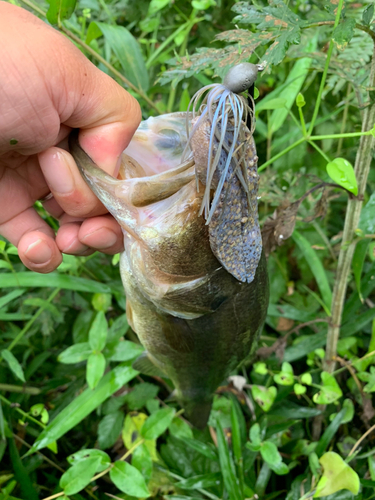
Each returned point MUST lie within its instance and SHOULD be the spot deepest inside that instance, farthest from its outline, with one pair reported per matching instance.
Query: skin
(48, 87)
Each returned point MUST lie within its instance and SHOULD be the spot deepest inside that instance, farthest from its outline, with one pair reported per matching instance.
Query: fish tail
(198, 412)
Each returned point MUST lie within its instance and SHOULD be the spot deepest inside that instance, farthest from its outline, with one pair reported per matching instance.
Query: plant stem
(344, 118)
(320, 151)
(340, 136)
(23, 413)
(360, 440)
(353, 212)
(282, 153)
(20, 388)
(325, 72)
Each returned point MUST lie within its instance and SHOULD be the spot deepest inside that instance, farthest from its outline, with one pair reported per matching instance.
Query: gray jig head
(241, 77)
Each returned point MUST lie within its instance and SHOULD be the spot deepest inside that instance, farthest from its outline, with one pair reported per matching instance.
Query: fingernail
(57, 172)
(38, 252)
(100, 239)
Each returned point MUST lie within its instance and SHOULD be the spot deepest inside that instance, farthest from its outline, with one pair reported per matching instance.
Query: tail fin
(198, 412)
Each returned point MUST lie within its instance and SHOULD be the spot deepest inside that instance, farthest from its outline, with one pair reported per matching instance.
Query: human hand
(48, 87)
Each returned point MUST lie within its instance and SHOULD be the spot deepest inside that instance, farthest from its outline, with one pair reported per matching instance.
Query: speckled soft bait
(193, 271)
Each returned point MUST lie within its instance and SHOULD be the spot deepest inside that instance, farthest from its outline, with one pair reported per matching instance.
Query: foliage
(76, 420)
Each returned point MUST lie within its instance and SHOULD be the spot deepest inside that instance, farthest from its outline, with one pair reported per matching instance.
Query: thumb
(107, 116)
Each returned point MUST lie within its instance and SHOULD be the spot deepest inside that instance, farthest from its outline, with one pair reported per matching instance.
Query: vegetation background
(76, 421)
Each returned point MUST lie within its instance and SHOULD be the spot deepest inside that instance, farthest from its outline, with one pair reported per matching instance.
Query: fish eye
(168, 139)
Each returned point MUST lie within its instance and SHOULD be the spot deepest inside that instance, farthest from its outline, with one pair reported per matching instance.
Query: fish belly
(198, 353)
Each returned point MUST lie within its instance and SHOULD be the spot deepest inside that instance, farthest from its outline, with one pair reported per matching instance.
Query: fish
(193, 269)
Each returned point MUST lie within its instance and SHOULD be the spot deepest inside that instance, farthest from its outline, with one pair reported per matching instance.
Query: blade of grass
(227, 466)
(52, 280)
(83, 405)
(316, 267)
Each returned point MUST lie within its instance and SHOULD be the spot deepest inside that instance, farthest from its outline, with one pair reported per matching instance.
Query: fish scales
(196, 320)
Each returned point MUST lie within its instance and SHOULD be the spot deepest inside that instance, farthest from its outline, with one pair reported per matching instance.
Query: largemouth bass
(193, 269)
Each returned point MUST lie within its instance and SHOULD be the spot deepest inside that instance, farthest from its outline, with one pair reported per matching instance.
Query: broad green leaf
(118, 329)
(337, 475)
(288, 410)
(349, 412)
(129, 480)
(344, 33)
(95, 369)
(280, 468)
(83, 405)
(157, 423)
(299, 389)
(260, 368)
(131, 433)
(98, 332)
(59, 10)
(367, 219)
(342, 172)
(264, 396)
(287, 311)
(285, 377)
(300, 101)
(101, 301)
(306, 378)
(316, 267)
(156, 5)
(147, 25)
(126, 350)
(109, 429)
(141, 460)
(294, 81)
(82, 455)
(203, 448)
(368, 14)
(13, 364)
(329, 392)
(52, 280)
(75, 353)
(81, 326)
(254, 433)
(369, 378)
(179, 428)
(140, 394)
(203, 4)
(201, 481)
(227, 466)
(127, 51)
(270, 453)
(79, 476)
(276, 103)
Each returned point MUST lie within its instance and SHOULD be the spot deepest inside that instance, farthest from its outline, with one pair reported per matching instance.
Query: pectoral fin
(144, 365)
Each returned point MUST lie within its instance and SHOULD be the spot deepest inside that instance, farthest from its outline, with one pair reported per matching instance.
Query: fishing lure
(226, 164)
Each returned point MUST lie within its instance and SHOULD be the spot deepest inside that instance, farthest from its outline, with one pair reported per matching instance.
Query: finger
(102, 233)
(98, 233)
(67, 185)
(68, 241)
(34, 239)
